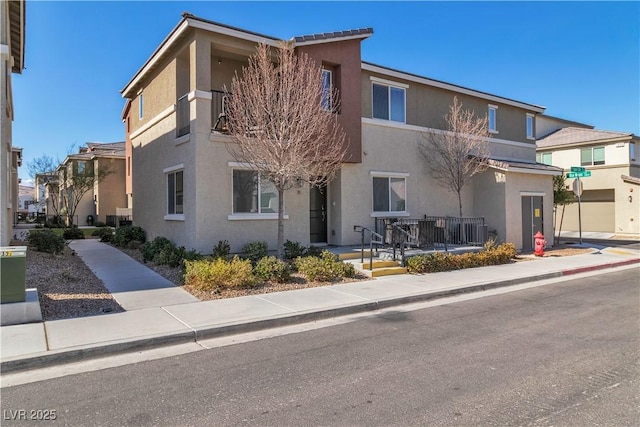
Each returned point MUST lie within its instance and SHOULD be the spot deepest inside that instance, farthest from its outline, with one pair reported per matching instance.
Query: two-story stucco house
(610, 202)
(103, 196)
(12, 31)
(187, 187)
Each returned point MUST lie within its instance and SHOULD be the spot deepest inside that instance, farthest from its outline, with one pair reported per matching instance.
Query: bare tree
(455, 155)
(76, 179)
(282, 123)
(41, 165)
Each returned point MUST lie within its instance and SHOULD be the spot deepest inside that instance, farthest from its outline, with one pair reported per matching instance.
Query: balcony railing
(219, 102)
(183, 121)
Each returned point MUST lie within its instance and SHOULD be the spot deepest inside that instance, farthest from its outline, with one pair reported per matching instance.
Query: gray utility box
(13, 266)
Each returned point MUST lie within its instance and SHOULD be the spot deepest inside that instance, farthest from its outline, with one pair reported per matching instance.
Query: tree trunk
(280, 223)
(460, 203)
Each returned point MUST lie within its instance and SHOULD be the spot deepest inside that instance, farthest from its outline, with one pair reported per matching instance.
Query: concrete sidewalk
(166, 319)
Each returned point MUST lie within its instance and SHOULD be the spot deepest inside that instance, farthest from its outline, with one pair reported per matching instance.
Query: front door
(318, 214)
(531, 220)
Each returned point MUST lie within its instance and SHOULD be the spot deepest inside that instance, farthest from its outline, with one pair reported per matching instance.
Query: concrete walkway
(161, 314)
(132, 285)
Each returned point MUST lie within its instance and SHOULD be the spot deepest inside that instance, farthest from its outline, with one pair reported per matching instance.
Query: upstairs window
(140, 105)
(592, 156)
(544, 158)
(81, 167)
(327, 88)
(388, 102)
(492, 119)
(632, 151)
(530, 134)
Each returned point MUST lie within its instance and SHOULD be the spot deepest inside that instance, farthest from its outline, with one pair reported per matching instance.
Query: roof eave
(17, 24)
(449, 86)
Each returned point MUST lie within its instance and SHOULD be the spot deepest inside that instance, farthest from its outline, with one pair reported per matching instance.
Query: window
(140, 105)
(253, 194)
(632, 151)
(543, 158)
(492, 119)
(388, 102)
(530, 127)
(175, 193)
(327, 87)
(592, 156)
(81, 167)
(389, 194)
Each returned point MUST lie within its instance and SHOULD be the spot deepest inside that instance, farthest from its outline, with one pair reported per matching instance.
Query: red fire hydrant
(539, 244)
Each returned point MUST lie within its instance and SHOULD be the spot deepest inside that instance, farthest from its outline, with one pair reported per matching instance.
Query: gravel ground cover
(67, 288)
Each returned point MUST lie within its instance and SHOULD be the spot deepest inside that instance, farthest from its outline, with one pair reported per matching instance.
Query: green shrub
(439, 261)
(221, 250)
(128, 233)
(219, 273)
(315, 251)
(325, 268)
(46, 241)
(271, 268)
(164, 252)
(255, 251)
(105, 234)
(100, 224)
(72, 233)
(293, 250)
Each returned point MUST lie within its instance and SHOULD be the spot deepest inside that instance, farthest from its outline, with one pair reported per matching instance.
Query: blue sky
(581, 60)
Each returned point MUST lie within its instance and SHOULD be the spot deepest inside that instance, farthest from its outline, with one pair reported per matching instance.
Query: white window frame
(632, 151)
(540, 158)
(389, 84)
(326, 101)
(251, 215)
(140, 105)
(604, 162)
(167, 172)
(390, 213)
(493, 124)
(530, 126)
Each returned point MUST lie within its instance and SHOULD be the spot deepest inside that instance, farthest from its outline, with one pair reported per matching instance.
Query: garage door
(598, 212)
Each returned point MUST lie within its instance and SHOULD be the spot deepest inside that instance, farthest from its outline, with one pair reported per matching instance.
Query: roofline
(368, 66)
(625, 138)
(340, 36)
(18, 64)
(191, 21)
(567, 121)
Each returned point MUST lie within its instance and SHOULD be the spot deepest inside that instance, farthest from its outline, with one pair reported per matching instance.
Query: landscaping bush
(314, 251)
(439, 261)
(255, 251)
(208, 275)
(128, 233)
(163, 251)
(271, 268)
(100, 224)
(72, 233)
(325, 268)
(46, 241)
(221, 250)
(105, 234)
(293, 250)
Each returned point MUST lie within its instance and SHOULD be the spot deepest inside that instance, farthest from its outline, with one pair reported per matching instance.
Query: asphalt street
(561, 354)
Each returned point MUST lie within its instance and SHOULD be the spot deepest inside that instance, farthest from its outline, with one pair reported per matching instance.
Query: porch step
(377, 263)
(388, 271)
(380, 267)
(353, 255)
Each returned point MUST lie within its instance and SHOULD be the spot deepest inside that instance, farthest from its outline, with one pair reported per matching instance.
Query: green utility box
(13, 266)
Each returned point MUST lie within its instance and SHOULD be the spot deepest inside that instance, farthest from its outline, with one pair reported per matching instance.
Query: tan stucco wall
(427, 105)
(111, 191)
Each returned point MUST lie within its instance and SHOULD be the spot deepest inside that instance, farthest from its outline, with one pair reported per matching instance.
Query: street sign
(579, 174)
(577, 169)
(577, 187)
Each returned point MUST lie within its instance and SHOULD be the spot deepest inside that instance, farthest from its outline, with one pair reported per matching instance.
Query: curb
(58, 357)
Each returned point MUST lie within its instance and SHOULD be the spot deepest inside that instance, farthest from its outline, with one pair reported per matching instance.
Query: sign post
(578, 172)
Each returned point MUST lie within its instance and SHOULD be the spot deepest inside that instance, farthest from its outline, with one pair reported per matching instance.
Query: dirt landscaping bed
(67, 288)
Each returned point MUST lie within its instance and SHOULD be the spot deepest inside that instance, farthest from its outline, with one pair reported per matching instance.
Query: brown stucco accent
(343, 58)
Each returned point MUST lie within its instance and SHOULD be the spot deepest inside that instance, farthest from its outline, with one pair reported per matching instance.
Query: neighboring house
(610, 201)
(104, 196)
(187, 187)
(12, 31)
(27, 203)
